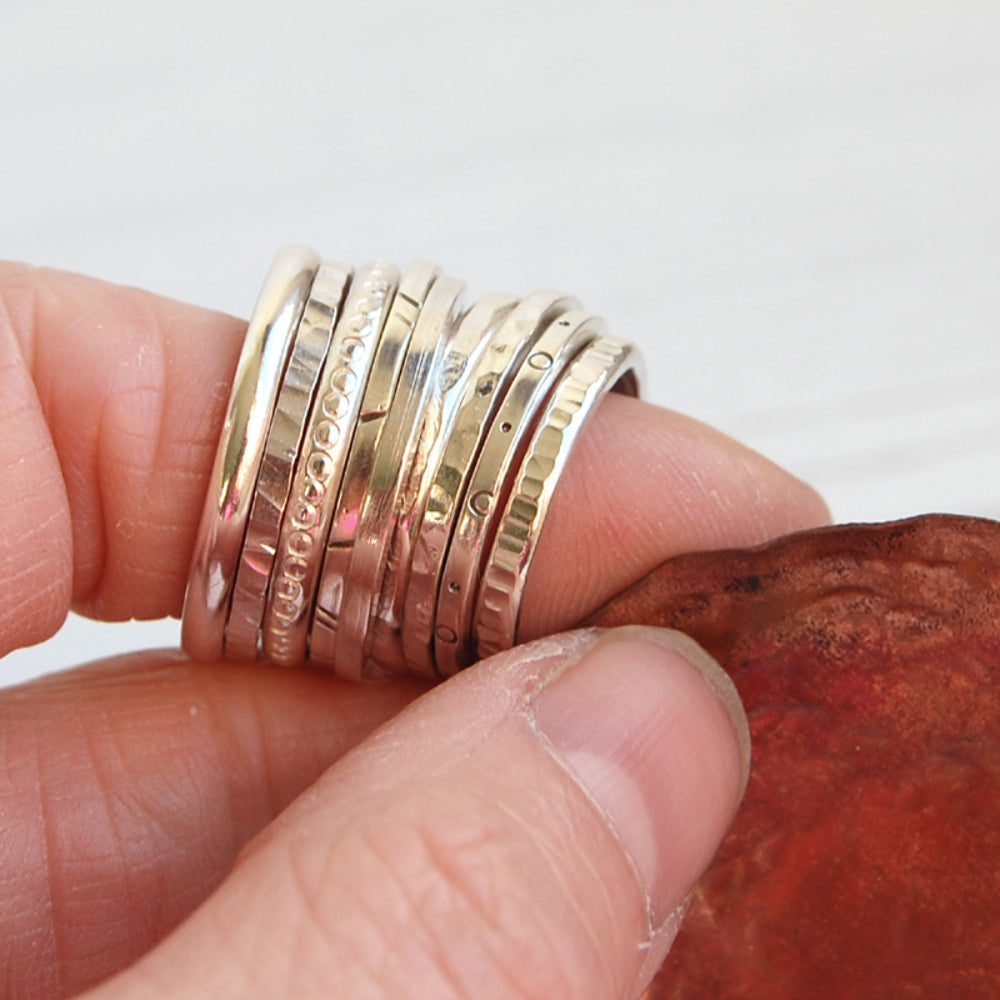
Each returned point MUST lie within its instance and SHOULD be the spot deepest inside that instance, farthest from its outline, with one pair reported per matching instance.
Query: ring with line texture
(321, 463)
(233, 478)
(283, 443)
(385, 467)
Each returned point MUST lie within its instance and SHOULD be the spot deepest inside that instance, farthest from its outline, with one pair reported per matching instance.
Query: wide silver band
(385, 468)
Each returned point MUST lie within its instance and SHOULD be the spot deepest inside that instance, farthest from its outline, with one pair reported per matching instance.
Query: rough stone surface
(865, 859)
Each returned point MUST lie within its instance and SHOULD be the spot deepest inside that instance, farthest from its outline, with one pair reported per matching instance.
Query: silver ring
(379, 393)
(281, 446)
(241, 446)
(322, 459)
(601, 366)
(386, 466)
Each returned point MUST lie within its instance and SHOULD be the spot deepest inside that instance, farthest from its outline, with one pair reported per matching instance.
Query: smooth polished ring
(385, 468)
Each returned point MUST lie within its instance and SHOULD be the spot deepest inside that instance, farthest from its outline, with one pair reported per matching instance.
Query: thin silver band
(601, 366)
(241, 446)
(284, 438)
(386, 467)
(320, 469)
(386, 370)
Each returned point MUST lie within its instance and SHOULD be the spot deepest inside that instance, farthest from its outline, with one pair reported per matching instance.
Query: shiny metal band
(385, 468)
(391, 353)
(281, 446)
(321, 463)
(237, 462)
(597, 368)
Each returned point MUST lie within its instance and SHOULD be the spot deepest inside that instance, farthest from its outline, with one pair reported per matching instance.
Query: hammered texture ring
(385, 467)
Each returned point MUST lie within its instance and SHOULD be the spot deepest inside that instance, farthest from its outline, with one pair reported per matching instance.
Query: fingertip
(128, 392)
(563, 793)
(653, 730)
(644, 484)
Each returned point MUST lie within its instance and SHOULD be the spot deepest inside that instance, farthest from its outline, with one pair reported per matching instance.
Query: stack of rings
(385, 467)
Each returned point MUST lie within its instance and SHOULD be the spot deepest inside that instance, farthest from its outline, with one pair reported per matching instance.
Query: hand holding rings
(385, 466)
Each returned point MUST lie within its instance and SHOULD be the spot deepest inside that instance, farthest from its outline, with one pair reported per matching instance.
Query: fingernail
(653, 730)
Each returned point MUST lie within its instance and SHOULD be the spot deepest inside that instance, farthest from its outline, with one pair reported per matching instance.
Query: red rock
(865, 860)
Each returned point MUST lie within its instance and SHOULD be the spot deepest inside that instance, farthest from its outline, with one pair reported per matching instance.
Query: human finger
(643, 484)
(529, 829)
(128, 787)
(114, 401)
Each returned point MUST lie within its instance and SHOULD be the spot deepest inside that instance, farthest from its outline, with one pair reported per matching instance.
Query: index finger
(112, 403)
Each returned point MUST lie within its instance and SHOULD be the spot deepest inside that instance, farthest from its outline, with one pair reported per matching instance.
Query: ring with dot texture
(271, 495)
(320, 467)
(560, 341)
(385, 467)
(605, 364)
(386, 369)
(233, 480)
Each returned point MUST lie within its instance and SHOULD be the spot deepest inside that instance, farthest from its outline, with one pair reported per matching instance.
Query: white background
(793, 207)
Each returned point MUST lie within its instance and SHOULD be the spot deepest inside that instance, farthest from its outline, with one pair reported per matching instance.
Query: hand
(528, 829)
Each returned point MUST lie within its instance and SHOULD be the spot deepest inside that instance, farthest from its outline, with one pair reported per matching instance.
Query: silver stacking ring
(385, 468)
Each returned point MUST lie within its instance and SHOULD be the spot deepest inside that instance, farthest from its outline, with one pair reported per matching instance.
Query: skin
(141, 848)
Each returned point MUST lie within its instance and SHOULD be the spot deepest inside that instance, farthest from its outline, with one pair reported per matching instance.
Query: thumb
(529, 829)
